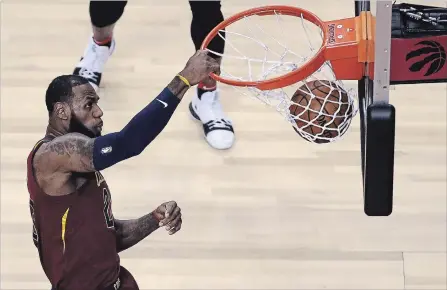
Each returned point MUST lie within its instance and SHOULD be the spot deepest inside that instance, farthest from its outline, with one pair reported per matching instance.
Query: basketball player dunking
(205, 105)
(77, 237)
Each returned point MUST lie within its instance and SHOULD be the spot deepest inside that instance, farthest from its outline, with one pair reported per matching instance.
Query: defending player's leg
(205, 105)
(103, 16)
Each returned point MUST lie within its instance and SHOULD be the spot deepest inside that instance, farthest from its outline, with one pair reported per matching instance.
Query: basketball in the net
(321, 110)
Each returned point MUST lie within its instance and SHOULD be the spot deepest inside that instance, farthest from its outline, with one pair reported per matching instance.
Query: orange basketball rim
(348, 44)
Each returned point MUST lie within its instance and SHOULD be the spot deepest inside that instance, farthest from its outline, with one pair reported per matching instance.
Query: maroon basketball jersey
(75, 233)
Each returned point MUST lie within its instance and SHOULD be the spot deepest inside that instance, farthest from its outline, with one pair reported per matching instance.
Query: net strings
(280, 99)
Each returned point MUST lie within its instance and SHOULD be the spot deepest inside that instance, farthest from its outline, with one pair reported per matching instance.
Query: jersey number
(33, 217)
(110, 221)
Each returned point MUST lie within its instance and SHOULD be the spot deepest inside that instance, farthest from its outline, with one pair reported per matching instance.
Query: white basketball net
(261, 50)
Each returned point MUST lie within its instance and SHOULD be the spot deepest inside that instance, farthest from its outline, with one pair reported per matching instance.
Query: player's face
(85, 112)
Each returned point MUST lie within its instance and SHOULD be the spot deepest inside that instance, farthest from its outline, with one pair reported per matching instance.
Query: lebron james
(76, 235)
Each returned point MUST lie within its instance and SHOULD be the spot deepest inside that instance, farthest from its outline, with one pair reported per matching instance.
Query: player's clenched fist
(170, 216)
(199, 67)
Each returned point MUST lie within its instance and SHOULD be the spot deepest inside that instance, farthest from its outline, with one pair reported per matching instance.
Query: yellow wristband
(184, 80)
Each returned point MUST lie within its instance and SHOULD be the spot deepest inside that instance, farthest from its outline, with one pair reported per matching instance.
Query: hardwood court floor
(273, 212)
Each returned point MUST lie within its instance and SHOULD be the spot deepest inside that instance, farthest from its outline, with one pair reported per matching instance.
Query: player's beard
(78, 127)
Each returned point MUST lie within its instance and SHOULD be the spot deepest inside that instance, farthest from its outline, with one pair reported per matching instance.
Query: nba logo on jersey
(106, 150)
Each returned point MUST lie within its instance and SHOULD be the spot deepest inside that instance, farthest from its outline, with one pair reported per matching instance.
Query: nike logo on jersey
(164, 103)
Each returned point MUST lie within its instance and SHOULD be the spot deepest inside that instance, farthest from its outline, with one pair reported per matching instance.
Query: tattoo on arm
(178, 87)
(130, 232)
(72, 152)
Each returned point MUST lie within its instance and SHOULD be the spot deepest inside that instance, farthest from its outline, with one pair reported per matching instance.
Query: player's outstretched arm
(78, 153)
(147, 124)
(130, 232)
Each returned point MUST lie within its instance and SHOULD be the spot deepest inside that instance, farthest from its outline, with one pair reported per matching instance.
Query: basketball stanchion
(379, 130)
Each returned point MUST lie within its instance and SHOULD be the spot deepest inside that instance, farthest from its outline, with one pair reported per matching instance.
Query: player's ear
(62, 110)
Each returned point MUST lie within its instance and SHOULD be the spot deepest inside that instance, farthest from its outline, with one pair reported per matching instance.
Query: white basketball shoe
(218, 129)
(92, 63)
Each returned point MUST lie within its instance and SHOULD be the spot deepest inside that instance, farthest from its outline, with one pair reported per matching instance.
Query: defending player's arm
(130, 232)
(78, 153)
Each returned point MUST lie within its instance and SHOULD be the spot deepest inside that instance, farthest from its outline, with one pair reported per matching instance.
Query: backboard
(377, 117)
